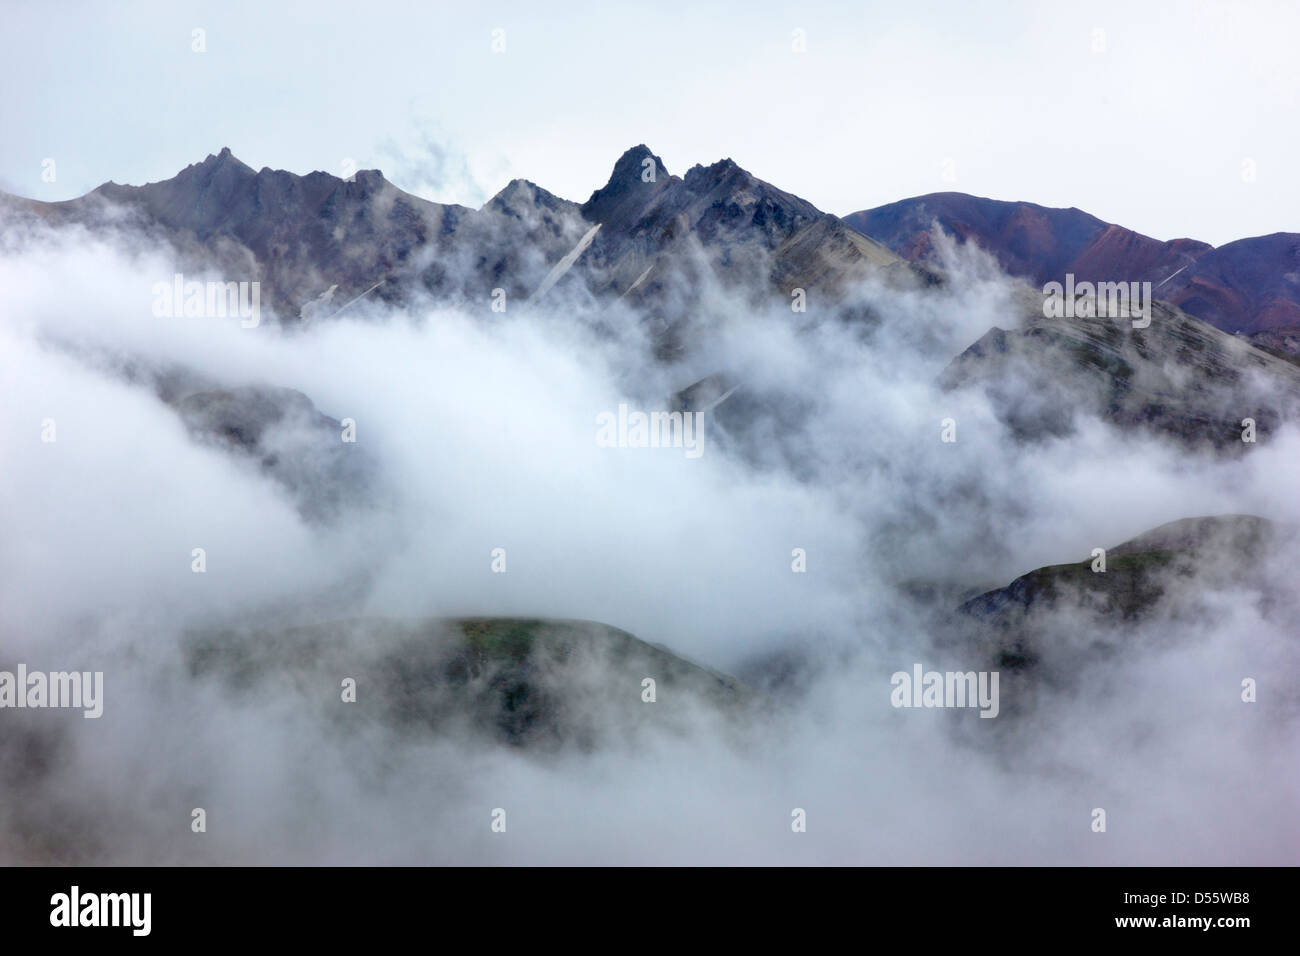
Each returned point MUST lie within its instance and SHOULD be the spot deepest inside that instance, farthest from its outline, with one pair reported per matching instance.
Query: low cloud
(483, 429)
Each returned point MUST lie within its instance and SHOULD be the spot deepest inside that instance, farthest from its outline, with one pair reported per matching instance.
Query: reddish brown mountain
(1247, 286)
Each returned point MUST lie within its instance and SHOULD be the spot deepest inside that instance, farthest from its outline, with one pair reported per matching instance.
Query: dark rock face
(744, 224)
(290, 441)
(1247, 286)
(662, 243)
(622, 202)
(545, 684)
(304, 236)
(720, 204)
(1179, 378)
(297, 235)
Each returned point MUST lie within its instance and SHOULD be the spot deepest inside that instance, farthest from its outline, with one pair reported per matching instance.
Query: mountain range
(651, 246)
(655, 243)
(303, 236)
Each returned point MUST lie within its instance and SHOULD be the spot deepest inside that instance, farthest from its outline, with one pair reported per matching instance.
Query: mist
(478, 430)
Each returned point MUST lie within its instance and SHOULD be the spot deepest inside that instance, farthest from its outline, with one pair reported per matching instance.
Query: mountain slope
(545, 684)
(1046, 631)
(1180, 378)
(1054, 615)
(318, 240)
(741, 223)
(1247, 285)
(1029, 241)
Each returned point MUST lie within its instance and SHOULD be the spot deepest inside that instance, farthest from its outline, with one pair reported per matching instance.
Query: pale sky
(1160, 128)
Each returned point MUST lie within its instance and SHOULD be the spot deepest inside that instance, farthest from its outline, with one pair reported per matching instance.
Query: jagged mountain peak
(223, 155)
(224, 170)
(716, 172)
(637, 178)
(214, 163)
(633, 160)
(520, 194)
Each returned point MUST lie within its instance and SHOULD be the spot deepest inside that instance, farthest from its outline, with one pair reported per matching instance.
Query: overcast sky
(1157, 122)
